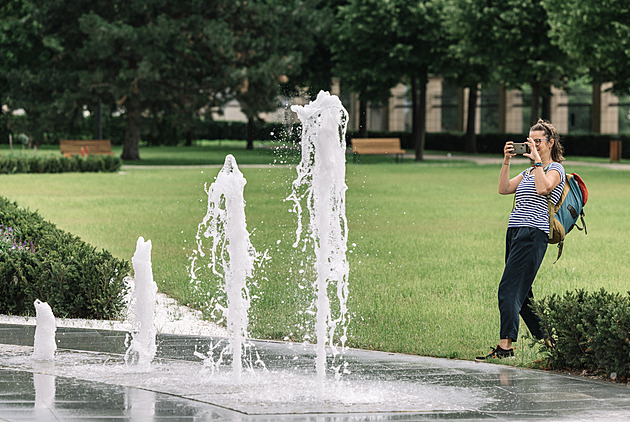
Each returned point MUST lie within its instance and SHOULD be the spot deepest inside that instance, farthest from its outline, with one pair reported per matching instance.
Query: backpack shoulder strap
(553, 210)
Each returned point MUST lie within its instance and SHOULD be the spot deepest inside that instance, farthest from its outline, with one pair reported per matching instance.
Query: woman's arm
(545, 182)
(508, 186)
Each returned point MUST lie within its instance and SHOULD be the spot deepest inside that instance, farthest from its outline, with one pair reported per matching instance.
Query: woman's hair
(557, 150)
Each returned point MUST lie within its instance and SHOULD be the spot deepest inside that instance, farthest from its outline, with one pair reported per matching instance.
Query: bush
(56, 267)
(13, 164)
(590, 331)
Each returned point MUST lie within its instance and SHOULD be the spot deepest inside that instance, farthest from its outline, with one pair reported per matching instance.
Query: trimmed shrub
(14, 164)
(40, 261)
(590, 331)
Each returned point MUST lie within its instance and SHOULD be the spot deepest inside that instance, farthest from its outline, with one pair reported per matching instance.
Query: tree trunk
(189, 138)
(386, 116)
(471, 140)
(362, 118)
(414, 108)
(419, 113)
(131, 148)
(545, 112)
(596, 109)
(502, 108)
(98, 120)
(251, 130)
(461, 118)
(535, 103)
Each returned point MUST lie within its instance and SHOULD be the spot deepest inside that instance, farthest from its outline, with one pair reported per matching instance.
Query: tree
(419, 42)
(470, 58)
(155, 59)
(277, 35)
(151, 59)
(596, 35)
(316, 72)
(378, 44)
(520, 30)
(30, 73)
(362, 51)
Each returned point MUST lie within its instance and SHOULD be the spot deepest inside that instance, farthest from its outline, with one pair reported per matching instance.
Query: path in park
(89, 382)
(409, 157)
(481, 160)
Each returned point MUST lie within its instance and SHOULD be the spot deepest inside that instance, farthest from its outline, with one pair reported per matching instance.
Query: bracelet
(537, 164)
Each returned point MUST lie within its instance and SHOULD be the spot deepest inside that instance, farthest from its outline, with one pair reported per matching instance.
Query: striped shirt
(531, 209)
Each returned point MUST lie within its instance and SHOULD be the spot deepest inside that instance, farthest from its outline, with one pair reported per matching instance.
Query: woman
(528, 231)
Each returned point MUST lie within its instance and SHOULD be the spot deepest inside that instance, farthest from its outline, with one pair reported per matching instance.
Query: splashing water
(231, 254)
(44, 344)
(321, 183)
(142, 349)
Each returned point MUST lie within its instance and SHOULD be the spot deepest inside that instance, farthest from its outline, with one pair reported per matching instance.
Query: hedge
(13, 164)
(589, 331)
(585, 145)
(40, 261)
(588, 145)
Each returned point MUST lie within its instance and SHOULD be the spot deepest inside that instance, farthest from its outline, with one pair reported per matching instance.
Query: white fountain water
(44, 385)
(142, 348)
(44, 344)
(321, 183)
(230, 252)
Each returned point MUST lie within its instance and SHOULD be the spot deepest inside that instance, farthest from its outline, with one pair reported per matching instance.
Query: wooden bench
(85, 147)
(377, 146)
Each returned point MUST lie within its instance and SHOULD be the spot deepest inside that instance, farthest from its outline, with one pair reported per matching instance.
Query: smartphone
(520, 148)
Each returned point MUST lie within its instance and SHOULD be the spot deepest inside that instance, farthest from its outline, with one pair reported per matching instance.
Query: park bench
(377, 146)
(85, 147)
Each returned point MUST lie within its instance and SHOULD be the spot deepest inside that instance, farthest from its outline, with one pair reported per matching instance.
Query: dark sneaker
(497, 353)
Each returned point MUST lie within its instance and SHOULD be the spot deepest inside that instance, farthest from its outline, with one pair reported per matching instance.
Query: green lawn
(426, 243)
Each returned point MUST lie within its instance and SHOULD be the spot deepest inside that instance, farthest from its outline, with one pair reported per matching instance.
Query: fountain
(284, 390)
(142, 348)
(321, 184)
(231, 254)
(44, 344)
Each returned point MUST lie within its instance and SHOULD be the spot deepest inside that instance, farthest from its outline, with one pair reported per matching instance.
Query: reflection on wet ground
(89, 381)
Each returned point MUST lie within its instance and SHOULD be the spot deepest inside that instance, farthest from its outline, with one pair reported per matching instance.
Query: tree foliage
(155, 61)
(527, 55)
(595, 34)
(165, 64)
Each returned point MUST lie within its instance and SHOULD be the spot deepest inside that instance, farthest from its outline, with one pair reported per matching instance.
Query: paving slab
(89, 381)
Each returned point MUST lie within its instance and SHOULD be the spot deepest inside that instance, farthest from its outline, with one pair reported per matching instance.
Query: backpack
(563, 216)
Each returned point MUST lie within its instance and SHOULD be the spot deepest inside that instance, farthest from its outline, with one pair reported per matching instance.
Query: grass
(426, 243)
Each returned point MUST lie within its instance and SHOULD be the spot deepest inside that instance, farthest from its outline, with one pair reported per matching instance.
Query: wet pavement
(89, 381)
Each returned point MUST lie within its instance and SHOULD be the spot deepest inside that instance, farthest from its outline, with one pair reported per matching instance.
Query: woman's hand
(507, 152)
(533, 151)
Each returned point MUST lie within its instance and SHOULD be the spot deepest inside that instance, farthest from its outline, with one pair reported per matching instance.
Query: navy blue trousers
(525, 249)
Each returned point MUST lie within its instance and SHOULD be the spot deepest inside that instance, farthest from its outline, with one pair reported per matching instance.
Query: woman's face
(542, 142)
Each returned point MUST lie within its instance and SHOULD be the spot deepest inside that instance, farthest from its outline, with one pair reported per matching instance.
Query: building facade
(498, 110)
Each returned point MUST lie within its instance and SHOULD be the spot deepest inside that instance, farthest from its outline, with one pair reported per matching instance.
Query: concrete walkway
(88, 381)
(516, 161)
